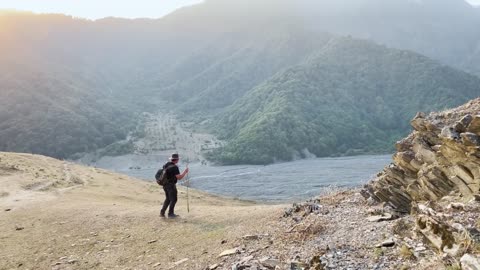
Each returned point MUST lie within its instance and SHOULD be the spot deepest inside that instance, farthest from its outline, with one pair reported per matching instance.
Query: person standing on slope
(173, 175)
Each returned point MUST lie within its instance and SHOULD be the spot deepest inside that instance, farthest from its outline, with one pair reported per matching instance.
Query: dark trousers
(170, 198)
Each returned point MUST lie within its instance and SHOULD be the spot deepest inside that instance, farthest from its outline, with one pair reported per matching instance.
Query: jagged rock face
(440, 157)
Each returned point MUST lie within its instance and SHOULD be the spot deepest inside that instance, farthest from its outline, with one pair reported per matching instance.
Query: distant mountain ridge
(203, 61)
(352, 97)
(444, 30)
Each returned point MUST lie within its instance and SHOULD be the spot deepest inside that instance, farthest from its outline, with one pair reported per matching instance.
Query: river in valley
(276, 183)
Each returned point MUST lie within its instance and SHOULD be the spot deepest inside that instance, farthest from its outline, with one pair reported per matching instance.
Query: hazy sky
(94, 9)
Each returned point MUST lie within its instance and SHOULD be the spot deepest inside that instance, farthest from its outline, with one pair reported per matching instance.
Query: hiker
(173, 175)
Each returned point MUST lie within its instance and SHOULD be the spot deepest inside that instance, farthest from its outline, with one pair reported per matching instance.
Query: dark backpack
(161, 176)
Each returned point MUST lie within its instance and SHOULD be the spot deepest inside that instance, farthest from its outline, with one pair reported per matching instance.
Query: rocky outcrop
(440, 157)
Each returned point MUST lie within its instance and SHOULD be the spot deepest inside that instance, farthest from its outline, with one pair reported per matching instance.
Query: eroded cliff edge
(440, 157)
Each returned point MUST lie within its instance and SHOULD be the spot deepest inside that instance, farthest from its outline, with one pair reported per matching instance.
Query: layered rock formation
(440, 157)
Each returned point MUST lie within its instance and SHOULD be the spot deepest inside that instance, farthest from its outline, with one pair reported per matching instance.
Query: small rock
(297, 219)
(251, 237)
(470, 262)
(420, 249)
(229, 252)
(19, 228)
(269, 263)
(298, 266)
(379, 218)
(420, 115)
(213, 267)
(450, 133)
(458, 227)
(254, 237)
(72, 261)
(8, 210)
(477, 197)
(474, 234)
(157, 264)
(459, 127)
(474, 125)
(470, 139)
(387, 243)
(453, 251)
(152, 241)
(466, 120)
(288, 213)
(456, 206)
(181, 261)
(246, 259)
(436, 147)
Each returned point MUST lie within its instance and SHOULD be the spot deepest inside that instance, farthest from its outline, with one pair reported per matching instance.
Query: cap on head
(174, 157)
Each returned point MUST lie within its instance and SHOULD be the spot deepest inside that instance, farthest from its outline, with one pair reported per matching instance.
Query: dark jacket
(172, 171)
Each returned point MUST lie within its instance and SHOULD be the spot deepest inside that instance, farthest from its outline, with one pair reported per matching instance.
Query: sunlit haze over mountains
(92, 9)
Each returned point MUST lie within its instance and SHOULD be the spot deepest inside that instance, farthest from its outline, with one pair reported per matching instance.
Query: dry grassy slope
(67, 216)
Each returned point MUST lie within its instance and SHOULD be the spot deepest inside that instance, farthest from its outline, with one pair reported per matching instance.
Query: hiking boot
(173, 216)
(162, 215)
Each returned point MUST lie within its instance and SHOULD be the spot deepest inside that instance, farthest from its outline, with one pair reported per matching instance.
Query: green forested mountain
(445, 30)
(56, 111)
(70, 85)
(351, 97)
(253, 60)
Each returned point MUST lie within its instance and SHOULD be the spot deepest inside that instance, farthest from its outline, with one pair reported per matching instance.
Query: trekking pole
(188, 184)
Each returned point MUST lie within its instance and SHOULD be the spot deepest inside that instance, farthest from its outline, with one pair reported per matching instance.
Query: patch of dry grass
(378, 252)
(306, 229)
(453, 267)
(333, 196)
(403, 227)
(406, 253)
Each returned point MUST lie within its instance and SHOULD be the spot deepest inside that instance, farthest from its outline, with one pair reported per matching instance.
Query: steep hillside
(255, 59)
(57, 110)
(87, 218)
(352, 97)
